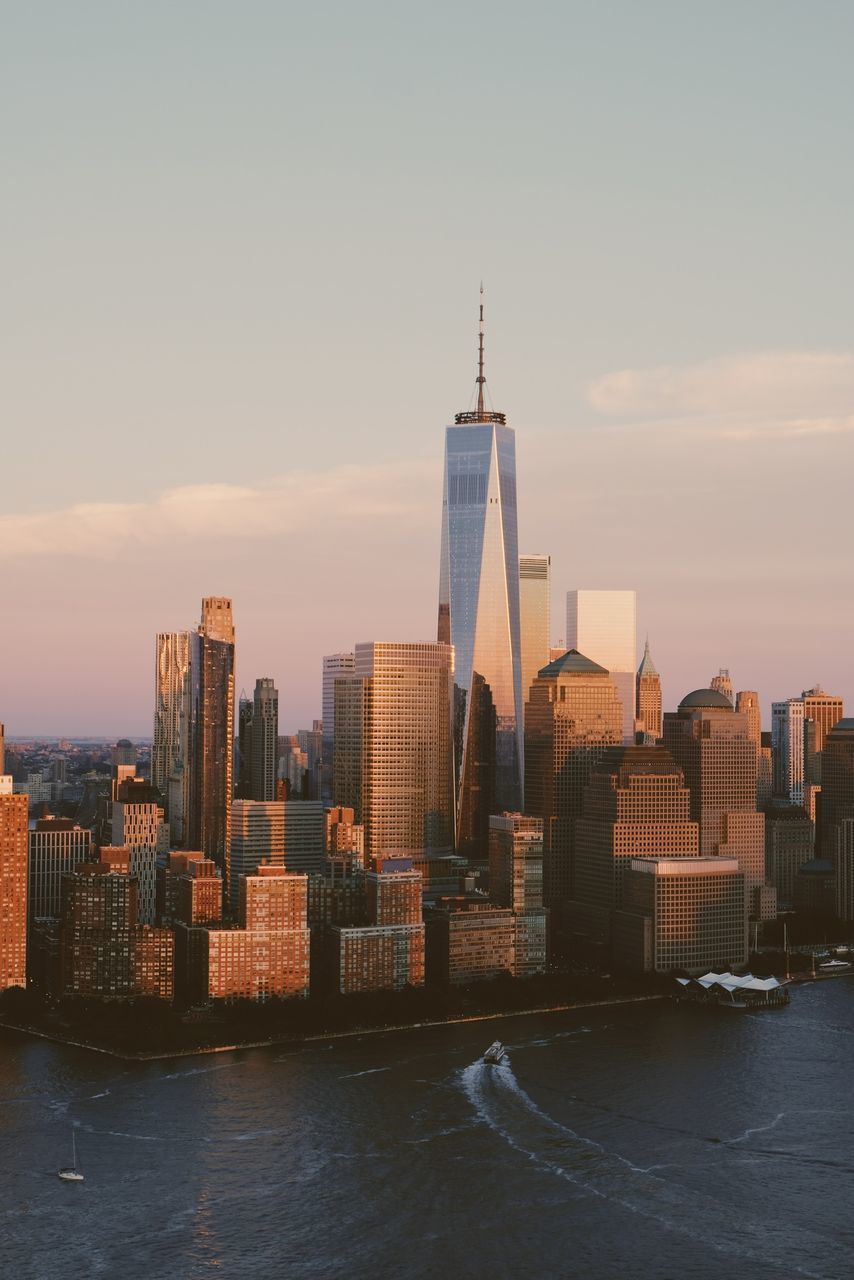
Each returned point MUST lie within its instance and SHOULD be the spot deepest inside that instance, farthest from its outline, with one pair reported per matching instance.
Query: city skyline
(270, 368)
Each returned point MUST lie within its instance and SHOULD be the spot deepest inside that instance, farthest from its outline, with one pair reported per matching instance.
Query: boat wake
(502, 1104)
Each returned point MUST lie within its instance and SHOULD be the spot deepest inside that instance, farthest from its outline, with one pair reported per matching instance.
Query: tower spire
(480, 413)
(481, 379)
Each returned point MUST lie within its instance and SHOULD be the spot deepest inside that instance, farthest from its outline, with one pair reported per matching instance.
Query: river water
(632, 1141)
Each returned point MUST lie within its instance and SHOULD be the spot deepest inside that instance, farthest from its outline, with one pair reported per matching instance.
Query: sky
(241, 251)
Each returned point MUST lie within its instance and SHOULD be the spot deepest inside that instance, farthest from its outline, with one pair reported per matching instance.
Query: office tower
(747, 704)
(14, 817)
(293, 767)
(516, 861)
(479, 613)
(713, 744)
(311, 744)
(393, 748)
(257, 835)
(212, 665)
(787, 742)
(199, 893)
(836, 823)
(516, 881)
(469, 940)
(535, 617)
(104, 952)
(603, 625)
(304, 836)
(171, 761)
(334, 665)
(264, 739)
(265, 956)
(343, 833)
(138, 826)
(243, 758)
(636, 805)
(722, 683)
(648, 697)
(386, 954)
(824, 710)
(124, 752)
(683, 914)
(789, 843)
(56, 846)
(572, 716)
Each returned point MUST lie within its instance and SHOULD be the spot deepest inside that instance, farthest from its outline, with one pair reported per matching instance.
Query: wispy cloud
(765, 393)
(104, 530)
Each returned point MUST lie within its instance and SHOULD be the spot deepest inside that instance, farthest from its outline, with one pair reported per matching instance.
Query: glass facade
(479, 616)
(170, 752)
(603, 625)
(535, 615)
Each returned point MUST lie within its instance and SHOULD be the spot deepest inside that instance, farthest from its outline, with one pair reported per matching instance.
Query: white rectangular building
(602, 625)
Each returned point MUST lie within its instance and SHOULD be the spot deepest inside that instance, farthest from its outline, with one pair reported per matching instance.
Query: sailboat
(72, 1173)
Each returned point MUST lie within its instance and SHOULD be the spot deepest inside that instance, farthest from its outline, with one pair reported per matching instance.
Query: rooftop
(572, 663)
(705, 699)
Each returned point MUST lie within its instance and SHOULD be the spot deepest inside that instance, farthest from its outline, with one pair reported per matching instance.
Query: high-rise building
(722, 683)
(535, 615)
(243, 759)
(199, 893)
(648, 697)
(393, 748)
(334, 665)
(56, 846)
(289, 834)
(124, 752)
(636, 805)
(825, 710)
(713, 744)
(171, 760)
(603, 625)
(311, 744)
(479, 612)
(836, 824)
(387, 953)
(572, 716)
(264, 740)
(14, 817)
(3, 773)
(516, 861)
(789, 844)
(138, 825)
(787, 744)
(683, 914)
(212, 666)
(344, 834)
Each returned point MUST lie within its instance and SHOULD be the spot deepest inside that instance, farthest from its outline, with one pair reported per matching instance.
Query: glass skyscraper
(479, 614)
(602, 625)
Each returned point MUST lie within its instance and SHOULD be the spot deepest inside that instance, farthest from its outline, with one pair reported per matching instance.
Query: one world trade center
(479, 614)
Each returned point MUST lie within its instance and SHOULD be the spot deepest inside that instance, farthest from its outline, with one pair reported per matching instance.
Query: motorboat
(494, 1054)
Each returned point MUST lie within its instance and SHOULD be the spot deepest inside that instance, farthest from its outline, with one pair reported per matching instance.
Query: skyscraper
(787, 742)
(572, 716)
(636, 805)
(56, 846)
(393, 748)
(264, 739)
(479, 610)
(648, 694)
(603, 625)
(722, 683)
(212, 664)
(138, 826)
(535, 615)
(171, 763)
(14, 815)
(334, 665)
(712, 742)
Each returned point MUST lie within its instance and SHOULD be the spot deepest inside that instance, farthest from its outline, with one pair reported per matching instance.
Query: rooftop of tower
(480, 413)
(572, 663)
(706, 700)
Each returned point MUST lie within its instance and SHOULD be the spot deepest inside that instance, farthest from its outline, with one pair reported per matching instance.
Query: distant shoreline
(314, 1037)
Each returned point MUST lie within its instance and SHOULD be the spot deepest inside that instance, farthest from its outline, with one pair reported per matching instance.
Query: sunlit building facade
(535, 616)
(479, 613)
(212, 663)
(171, 746)
(787, 744)
(681, 914)
(648, 697)
(334, 665)
(603, 625)
(14, 817)
(572, 716)
(394, 748)
(264, 740)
